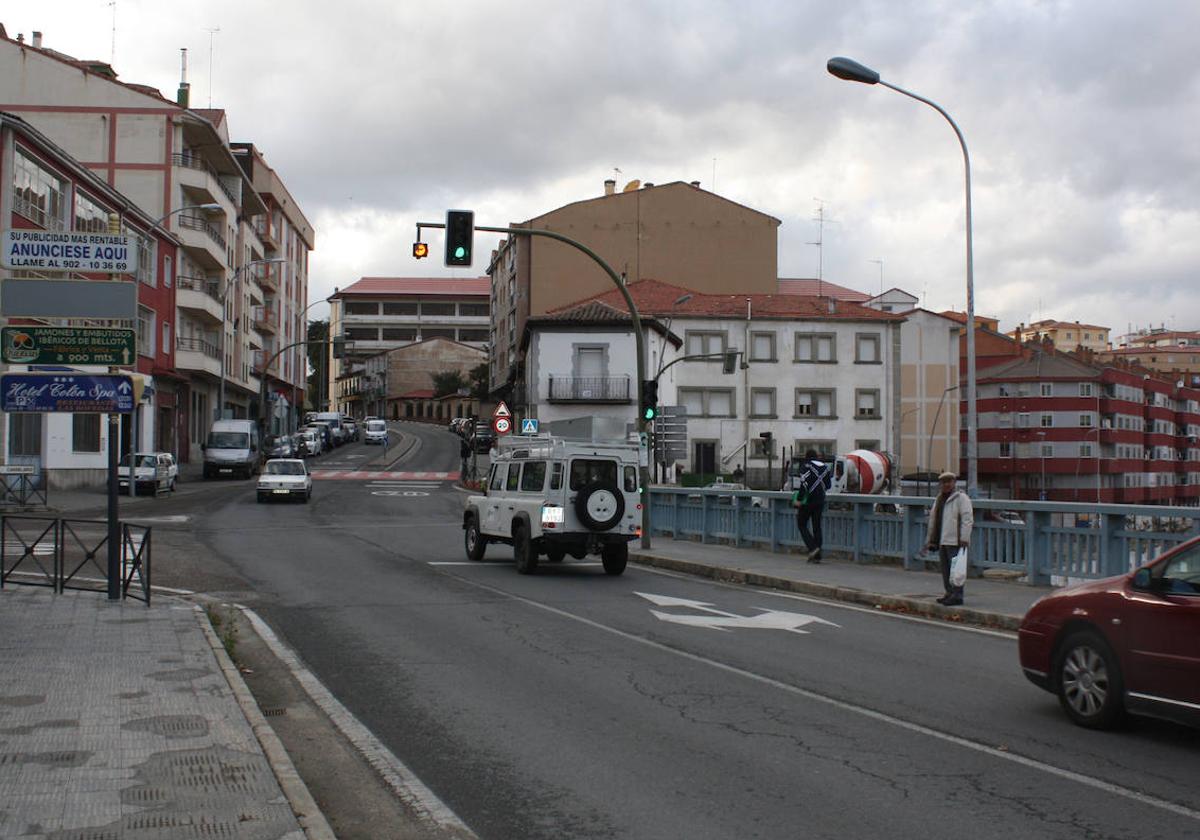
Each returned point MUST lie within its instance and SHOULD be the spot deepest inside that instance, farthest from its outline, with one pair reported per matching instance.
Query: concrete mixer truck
(861, 471)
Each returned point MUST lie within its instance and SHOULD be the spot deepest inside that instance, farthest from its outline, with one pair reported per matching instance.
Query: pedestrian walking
(950, 524)
(808, 490)
(464, 453)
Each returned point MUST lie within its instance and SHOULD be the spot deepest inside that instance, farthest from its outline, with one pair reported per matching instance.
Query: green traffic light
(649, 414)
(460, 252)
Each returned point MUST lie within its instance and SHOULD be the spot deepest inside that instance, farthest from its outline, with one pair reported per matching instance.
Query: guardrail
(1039, 542)
(51, 552)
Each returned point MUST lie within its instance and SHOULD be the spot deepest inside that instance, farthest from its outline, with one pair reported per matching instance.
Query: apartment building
(1066, 335)
(1054, 427)
(177, 164)
(378, 314)
(44, 188)
(819, 372)
(675, 233)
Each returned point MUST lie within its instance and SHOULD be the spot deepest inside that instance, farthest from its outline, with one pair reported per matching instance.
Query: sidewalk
(991, 603)
(118, 720)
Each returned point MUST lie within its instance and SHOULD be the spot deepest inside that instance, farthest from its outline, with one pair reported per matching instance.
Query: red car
(1123, 644)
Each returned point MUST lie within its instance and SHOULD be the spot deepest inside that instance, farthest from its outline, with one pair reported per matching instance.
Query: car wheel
(474, 542)
(556, 555)
(1088, 678)
(614, 556)
(599, 506)
(261, 498)
(523, 551)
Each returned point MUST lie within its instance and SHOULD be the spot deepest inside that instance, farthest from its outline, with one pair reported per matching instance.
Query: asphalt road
(572, 704)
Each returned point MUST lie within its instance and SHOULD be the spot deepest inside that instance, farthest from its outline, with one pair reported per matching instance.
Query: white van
(334, 419)
(232, 449)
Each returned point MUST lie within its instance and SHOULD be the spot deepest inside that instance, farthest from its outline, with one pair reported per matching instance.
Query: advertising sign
(89, 253)
(67, 346)
(55, 392)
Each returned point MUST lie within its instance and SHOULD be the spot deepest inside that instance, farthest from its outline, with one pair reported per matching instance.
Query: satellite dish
(632, 185)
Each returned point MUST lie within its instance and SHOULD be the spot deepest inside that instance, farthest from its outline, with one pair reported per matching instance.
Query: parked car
(377, 432)
(1129, 643)
(285, 478)
(232, 447)
(484, 439)
(351, 429)
(147, 471)
(278, 446)
(310, 440)
(328, 441)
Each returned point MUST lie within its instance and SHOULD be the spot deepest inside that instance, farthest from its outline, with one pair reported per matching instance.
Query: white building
(820, 373)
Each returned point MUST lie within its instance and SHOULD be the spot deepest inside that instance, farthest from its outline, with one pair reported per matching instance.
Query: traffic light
(420, 250)
(460, 235)
(649, 399)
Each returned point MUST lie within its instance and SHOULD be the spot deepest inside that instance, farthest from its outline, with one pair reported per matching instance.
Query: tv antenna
(880, 264)
(820, 243)
(112, 56)
(211, 32)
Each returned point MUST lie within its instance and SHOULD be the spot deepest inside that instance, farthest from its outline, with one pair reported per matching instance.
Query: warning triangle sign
(502, 410)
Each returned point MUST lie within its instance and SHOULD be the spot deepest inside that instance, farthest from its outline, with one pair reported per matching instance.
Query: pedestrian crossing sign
(529, 426)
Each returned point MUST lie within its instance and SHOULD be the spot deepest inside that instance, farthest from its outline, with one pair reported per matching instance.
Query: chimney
(832, 306)
(647, 185)
(37, 40)
(610, 186)
(696, 184)
(181, 98)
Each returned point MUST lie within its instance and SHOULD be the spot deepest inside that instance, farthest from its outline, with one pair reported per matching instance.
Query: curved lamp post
(852, 71)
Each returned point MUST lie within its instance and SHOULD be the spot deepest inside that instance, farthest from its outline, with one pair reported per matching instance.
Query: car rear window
(533, 476)
(514, 477)
(631, 482)
(556, 474)
(585, 471)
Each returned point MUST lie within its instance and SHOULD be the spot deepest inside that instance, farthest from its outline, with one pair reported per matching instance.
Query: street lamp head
(682, 299)
(210, 206)
(851, 71)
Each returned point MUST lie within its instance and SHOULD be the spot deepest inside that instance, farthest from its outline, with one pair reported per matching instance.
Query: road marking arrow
(720, 620)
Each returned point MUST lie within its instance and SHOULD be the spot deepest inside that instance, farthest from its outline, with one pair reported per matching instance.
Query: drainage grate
(273, 711)
(170, 726)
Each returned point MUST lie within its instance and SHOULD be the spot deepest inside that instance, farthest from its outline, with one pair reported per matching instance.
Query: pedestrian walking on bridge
(950, 524)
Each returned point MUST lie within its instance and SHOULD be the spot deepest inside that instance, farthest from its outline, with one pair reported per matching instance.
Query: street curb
(894, 603)
(412, 440)
(315, 826)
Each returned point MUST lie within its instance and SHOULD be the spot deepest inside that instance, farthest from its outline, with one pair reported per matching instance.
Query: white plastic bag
(958, 568)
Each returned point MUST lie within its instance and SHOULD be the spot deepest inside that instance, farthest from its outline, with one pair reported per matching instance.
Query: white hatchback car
(285, 478)
(152, 468)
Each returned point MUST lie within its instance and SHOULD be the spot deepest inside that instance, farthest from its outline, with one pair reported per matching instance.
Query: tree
(479, 381)
(318, 355)
(448, 382)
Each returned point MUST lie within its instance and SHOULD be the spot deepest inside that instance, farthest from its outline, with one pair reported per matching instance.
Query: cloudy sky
(1080, 117)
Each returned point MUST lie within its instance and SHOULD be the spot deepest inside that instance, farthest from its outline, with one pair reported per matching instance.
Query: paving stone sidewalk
(118, 722)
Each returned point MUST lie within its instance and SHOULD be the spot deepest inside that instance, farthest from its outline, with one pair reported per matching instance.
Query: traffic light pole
(639, 340)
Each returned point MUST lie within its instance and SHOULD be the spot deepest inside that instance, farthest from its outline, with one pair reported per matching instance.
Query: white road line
(882, 717)
(502, 563)
(412, 791)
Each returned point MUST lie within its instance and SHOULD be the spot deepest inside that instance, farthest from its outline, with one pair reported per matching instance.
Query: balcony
(200, 296)
(266, 320)
(590, 389)
(267, 275)
(262, 357)
(197, 355)
(267, 232)
(203, 239)
(199, 175)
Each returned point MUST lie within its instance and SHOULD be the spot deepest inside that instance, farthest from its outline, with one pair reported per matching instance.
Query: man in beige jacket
(950, 524)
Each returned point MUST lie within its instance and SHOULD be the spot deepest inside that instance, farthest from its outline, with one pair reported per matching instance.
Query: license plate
(281, 492)
(552, 515)
(226, 469)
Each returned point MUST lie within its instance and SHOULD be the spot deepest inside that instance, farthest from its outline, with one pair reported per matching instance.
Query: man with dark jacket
(809, 499)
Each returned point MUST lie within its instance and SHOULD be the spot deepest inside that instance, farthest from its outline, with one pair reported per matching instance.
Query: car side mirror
(1141, 580)
(203, 446)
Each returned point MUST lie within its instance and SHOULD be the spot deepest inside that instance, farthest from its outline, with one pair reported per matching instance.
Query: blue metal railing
(1031, 539)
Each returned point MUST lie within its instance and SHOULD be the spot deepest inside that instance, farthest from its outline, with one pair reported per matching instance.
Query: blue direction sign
(53, 392)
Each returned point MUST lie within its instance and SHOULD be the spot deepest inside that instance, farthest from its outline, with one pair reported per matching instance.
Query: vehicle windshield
(284, 468)
(585, 471)
(228, 440)
(376, 425)
(143, 461)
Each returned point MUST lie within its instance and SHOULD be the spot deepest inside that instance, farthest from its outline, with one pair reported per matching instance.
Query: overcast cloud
(1080, 118)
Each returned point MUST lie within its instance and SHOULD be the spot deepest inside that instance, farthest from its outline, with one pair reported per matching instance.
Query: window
(514, 477)
(1047, 450)
(819, 348)
(631, 479)
(1047, 421)
(762, 402)
(585, 471)
(168, 272)
(145, 256)
(85, 432)
(825, 449)
(38, 194)
(497, 477)
(358, 307)
(762, 347)
(1005, 449)
(1085, 389)
(145, 331)
(866, 404)
(472, 335)
(436, 332)
(815, 403)
(1085, 450)
(399, 309)
(1047, 389)
(90, 217)
(866, 349)
(1085, 420)
(707, 402)
(362, 333)
(166, 337)
(556, 475)
(474, 310)
(590, 361)
(1023, 420)
(533, 476)
(762, 448)
(704, 343)
(437, 309)
(396, 334)
(870, 445)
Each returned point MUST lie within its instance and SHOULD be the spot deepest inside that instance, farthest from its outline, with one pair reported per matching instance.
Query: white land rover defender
(552, 496)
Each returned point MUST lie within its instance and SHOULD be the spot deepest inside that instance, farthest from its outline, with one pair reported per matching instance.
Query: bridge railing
(1041, 542)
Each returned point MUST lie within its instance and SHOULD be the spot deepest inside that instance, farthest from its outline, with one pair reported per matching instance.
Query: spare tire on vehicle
(599, 506)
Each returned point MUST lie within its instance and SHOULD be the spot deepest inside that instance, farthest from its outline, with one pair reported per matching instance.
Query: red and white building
(43, 188)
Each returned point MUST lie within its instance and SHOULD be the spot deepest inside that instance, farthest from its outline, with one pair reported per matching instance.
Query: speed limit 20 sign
(502, 425)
